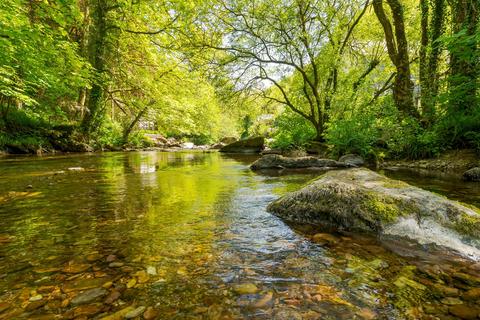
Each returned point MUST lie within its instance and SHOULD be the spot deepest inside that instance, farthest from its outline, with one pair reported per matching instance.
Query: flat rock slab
(363, 200)
(275, 161)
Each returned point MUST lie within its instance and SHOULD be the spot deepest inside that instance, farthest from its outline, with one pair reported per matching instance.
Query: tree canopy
(376, 77)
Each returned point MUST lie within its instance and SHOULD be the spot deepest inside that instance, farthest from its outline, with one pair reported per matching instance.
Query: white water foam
(429, 231)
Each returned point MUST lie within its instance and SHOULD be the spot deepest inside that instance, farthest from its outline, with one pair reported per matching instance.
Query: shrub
(291, 131)
(357, 134)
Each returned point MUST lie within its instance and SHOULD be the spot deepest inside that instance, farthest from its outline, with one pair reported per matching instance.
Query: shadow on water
(186, 236)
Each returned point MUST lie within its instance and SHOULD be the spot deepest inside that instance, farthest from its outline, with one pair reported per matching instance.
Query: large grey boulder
(472, 174)
(252, 145)
(275, 161)
(363, 200)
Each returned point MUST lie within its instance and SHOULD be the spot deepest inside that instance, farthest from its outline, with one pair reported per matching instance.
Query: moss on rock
(360, 199)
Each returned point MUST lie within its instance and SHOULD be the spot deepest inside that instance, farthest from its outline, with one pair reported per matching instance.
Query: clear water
(186, 235)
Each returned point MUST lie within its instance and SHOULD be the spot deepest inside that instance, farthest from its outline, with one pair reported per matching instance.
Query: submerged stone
(150, 313)
(89, 296)
(135, 313)
(363, 200)
(451, 301)
(472, 294)
(464, 312)
(83, 284)
(246, 288)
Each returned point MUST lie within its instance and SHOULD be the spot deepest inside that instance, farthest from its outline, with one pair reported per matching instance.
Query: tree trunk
(397, 47)
(431, 30)
(129, 129)
(96, 56)
(463, 71)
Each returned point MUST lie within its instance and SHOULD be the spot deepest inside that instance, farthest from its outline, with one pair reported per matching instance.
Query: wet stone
(245, 288)
(446, 291)
(466, 278)
(83, 284)
(113, 296)
(49, 316)
(36, 297)
(135, 313)
(89, 296)
(451, 301)
(35, 305)
(87, 310)
(76, 268)
(464, 312)
(4, 306)
(475, 266)
(472, 294)
(118, 315)
(287, 314)
(151, 270)
(94, 257)
(150, 313)
(324, 238)
(116, 264)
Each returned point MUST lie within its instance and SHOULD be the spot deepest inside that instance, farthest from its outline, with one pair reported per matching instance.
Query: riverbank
(454, 161)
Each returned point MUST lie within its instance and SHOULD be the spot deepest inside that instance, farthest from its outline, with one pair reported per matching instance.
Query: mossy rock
(252, 145)
(362, 200)
(275, 161)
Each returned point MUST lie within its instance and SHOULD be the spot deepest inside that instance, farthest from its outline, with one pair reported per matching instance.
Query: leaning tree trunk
(397, 47)
(128, 130)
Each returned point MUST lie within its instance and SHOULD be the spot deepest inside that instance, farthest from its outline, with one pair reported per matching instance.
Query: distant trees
(290, 52)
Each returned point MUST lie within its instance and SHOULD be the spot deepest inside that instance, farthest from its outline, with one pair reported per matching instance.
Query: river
(186, 236)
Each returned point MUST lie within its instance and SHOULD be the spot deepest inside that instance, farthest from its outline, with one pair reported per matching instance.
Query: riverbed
(185, 235)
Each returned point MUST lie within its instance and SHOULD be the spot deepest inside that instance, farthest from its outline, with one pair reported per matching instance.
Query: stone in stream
(324, 238)
(87, 310)
(4, 306)
(35, 305)
(150, 313)
(472, 174)
(89, 296)
(252, 145)
(450, 301)
(83, 284)
(472, 294)
(245, 288)
(464, 312)
(134, 313)
(275, 161)
(118, 315)
(113, 296)
(151, 270)
(362, 200)
(352, 159)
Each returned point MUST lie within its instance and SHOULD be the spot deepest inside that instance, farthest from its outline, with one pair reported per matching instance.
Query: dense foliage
(383, 78)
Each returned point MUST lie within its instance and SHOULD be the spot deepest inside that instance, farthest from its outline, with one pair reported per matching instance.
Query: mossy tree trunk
(397, 47)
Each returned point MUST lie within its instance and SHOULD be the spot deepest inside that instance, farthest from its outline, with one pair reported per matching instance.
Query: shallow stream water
(156, 235)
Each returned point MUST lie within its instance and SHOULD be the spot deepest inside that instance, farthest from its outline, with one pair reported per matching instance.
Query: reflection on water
(186, 236)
